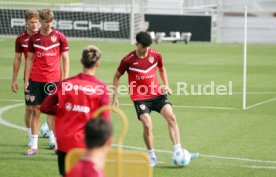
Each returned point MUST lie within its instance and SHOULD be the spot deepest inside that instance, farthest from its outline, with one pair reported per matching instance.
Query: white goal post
(93, 19)
(244, 60)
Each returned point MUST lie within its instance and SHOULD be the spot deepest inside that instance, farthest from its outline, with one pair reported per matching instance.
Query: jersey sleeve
(18, 46)
(63, 43)
(31, 45)
(160, 61)
(105, 101)
(122, 67)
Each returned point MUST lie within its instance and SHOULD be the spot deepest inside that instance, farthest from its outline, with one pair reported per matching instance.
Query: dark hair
(143, 38)
(90, 55)
(97, 132)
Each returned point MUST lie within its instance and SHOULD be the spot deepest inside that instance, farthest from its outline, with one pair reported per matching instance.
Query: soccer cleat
(194, 155)
(153, 161)
(52, 143)
(31, 151)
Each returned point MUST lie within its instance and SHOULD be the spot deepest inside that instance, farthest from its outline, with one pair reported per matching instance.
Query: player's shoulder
(21, 35)
(154, 52)
(129, 56)
(59, 33)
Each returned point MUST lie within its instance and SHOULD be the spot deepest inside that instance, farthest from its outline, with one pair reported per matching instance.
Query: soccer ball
(181, 157)
(44, 131)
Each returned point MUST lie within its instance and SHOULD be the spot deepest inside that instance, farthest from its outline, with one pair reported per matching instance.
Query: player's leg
(168, 114)
(36, 97)
(148, 136)
(51, 125)
(147, 125)
(28, 121)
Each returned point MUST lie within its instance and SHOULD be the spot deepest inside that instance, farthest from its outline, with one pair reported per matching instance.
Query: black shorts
(153, 104)
(61, 162)
(38, 91)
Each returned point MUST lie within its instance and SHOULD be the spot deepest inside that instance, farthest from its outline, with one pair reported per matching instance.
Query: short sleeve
(18, 46)
(31, 45)
(63, 43)
(160, 61)
(122, 67)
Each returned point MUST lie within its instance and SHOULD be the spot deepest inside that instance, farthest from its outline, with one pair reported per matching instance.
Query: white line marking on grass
(202, 155)
(194, 107)
(255, 93)
(11, 100)
(3, 122)
(261, 103)
(261, 167)
(6, 108)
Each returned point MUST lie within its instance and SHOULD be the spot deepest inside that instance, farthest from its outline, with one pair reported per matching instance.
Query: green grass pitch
(233, 142)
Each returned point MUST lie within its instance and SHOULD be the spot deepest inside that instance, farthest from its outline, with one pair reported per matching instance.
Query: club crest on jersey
(151, 59)
(53, 38)
(142, 106)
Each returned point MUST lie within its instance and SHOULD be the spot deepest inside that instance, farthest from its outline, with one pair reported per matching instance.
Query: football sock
(177, 147)
(29, 131)
(35, 140)
(151, 153)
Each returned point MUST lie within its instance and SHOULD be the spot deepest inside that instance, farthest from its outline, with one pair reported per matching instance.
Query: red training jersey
(142, 76)
(73, 104)
(85, 168)
(21, 44)
(47, 52)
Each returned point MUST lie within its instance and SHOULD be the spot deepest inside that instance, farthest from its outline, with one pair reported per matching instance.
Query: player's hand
(26, 86)
(168, 90)
(14, 86)
(115, 102)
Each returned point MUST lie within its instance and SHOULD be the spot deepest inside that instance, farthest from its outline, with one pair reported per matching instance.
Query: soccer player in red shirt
(98, 140)
(43, 68)
(75, 102)
(145, 91)
(21, 46)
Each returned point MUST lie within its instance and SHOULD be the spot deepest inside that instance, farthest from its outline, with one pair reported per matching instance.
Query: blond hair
(31, 14)
(90, 55)
(46, 14)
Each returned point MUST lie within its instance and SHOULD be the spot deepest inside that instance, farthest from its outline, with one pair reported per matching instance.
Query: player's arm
(116, 80)
(16, 67)
(65, 64)
(164, 77)
(105, 101)
(29, 64)
(49, 105)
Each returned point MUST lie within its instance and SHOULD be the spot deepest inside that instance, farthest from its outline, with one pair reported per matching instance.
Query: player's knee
(29, 109)
(171, 119)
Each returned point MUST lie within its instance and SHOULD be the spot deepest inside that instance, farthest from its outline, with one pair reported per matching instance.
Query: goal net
(86, 19)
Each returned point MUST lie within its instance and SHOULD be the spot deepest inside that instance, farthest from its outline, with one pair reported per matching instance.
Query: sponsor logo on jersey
(38, 39)
(76, 108)
(53, 38)
(136, 63)
(46, 54)
(68, 106)
(151, 59)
